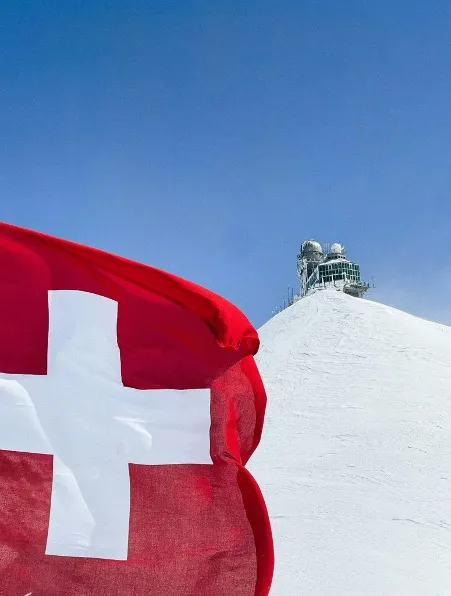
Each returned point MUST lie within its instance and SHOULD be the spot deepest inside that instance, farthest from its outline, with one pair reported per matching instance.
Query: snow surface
(355, 459)
(333, 261)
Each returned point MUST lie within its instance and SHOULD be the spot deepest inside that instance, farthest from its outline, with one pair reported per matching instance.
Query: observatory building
(320, 267)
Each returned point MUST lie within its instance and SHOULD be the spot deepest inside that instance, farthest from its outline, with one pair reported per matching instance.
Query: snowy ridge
(355, 459)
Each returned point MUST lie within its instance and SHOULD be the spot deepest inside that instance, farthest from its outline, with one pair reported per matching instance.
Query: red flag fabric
(129, 405)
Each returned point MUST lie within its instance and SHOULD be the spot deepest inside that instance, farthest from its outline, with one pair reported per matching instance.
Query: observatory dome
(311, 246)
(336, 249)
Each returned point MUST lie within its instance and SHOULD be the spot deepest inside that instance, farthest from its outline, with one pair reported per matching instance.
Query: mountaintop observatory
(320, 267)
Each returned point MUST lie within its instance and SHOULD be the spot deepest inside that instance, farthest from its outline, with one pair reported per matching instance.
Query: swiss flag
(129, 405)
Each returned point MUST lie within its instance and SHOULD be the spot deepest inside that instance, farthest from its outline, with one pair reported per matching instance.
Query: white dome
(336, 249)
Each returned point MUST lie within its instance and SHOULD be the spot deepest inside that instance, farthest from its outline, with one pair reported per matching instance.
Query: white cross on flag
(129, 405)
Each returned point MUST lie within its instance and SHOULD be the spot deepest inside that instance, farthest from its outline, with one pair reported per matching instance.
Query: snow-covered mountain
(355, 459)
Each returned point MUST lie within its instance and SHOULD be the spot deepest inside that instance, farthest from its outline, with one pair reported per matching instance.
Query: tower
(309, 257)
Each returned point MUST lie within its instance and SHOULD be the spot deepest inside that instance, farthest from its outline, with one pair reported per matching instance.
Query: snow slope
(355, 459)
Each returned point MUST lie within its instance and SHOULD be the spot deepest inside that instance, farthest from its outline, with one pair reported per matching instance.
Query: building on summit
(320, 267)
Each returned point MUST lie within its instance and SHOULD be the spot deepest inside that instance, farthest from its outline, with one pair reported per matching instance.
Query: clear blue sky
(210, 138)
